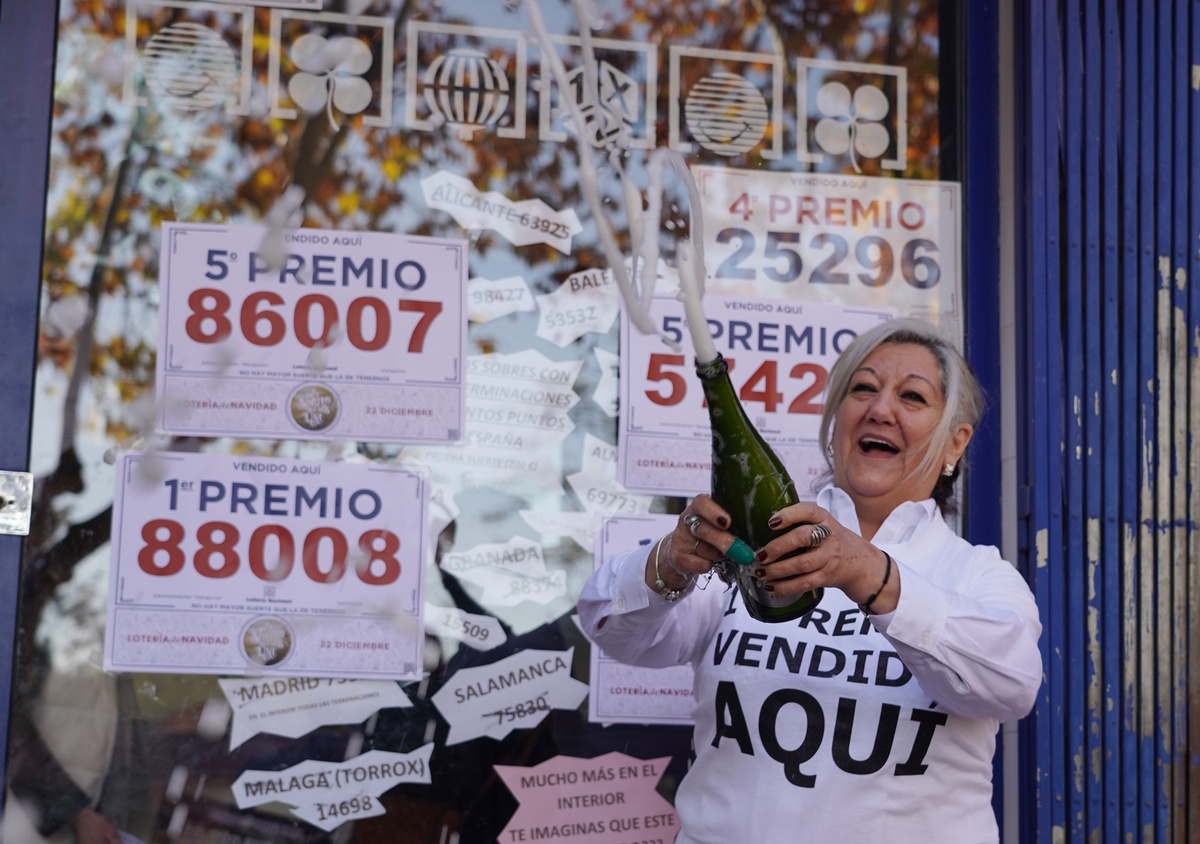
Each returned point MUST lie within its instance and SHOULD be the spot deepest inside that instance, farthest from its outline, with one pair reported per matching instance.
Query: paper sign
(515, 693)
(596, 485)
(611, 799)
(517, 417)
(835, 238)
(296, 706)
(585, 301)
(580, 527)
(482, 632)
(224, 564)
(605, 392)
(488, 300)
(627, 694)
(522, 223)
(779, 354)
(327, 794)
(325, 335)
(509, 573)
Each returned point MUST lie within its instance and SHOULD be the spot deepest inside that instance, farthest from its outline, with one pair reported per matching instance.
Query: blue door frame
(27, 33)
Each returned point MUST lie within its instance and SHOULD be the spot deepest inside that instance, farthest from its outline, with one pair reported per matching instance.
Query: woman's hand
(91, 827)
(832, 556)
(694, 546)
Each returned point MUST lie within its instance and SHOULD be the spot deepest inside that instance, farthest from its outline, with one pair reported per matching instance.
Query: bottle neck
(713, 369)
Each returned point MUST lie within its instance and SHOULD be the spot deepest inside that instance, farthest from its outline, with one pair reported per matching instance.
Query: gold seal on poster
(314, 407)
(267, 641)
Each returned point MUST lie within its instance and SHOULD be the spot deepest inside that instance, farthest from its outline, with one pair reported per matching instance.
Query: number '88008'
(269, 553)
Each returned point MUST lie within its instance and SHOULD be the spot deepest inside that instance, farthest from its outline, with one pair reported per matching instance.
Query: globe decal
(726, 114)
(190, 67)
(466, 88)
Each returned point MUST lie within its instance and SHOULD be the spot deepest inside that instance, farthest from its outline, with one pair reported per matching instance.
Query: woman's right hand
(698, 541)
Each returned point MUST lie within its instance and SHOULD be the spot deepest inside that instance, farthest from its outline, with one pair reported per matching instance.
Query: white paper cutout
(515, 693)
(580, 527)
(607, 390)
(596, 483)
(509, 573)
(327, 794)
(517, 418)
(488, 300)
(522, 222)
(585, 301)
(482, 632)
(296, 706)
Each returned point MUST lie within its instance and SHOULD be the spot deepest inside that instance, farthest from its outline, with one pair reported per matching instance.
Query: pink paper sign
(610, 799)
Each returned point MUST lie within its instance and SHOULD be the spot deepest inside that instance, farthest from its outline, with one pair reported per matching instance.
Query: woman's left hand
(832, 556)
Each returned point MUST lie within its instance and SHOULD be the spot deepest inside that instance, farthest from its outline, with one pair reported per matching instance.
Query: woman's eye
(913, 396)
(862, 388)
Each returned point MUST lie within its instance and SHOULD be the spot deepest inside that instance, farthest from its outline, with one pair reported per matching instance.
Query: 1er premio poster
(228, 564)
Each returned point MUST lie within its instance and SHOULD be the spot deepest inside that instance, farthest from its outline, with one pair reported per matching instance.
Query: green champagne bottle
(751, 484)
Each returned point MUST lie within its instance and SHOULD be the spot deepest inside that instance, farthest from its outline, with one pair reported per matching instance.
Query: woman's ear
(958, 443)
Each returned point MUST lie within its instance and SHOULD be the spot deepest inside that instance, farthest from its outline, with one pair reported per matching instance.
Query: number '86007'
(263, 319)
(270, 552)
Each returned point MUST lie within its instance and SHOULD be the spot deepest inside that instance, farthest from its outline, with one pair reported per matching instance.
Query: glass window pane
(422, 120)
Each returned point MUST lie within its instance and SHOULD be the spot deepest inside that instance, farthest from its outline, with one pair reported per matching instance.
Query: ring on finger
(692, 520)
(696, 549)
(819, 534)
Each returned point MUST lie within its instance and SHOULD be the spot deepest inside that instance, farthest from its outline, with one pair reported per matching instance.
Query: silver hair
(960, 388)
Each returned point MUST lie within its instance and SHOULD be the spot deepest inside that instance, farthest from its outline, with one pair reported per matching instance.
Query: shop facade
(328, 386)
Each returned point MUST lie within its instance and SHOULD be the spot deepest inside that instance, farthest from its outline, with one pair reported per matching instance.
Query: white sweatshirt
(839, 727)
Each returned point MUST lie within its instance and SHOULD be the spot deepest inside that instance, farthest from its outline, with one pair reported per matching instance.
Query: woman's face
(882, 428)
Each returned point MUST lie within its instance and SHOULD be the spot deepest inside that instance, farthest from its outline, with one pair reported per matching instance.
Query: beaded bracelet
(865, 606)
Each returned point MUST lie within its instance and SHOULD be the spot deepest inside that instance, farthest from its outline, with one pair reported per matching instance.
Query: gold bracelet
(660, 585)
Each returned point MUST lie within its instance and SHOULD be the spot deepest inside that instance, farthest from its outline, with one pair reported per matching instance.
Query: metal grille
(1111, 331)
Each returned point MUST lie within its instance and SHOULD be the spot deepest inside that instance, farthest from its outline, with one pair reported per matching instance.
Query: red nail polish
(769, 587)
(759, 572)
(722, 522)
(760, 556)
(774, 522)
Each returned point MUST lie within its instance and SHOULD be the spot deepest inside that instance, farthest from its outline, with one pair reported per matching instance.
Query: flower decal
(330, 75)
(852, 123)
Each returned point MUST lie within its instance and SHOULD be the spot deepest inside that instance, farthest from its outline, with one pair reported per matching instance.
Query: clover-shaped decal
(853, 123)
(330, 75)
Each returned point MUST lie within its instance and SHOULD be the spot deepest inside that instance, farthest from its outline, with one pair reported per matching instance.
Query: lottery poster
(311, 334)
(779, 353)
(845, 239)
(627, 694)
(238, 565)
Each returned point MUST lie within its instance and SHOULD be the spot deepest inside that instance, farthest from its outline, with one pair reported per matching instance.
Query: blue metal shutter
(1111, 408)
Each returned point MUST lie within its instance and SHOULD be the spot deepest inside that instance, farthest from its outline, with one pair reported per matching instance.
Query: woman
(875, 716)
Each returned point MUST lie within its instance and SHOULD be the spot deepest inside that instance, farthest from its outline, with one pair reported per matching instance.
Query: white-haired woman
(877, 713)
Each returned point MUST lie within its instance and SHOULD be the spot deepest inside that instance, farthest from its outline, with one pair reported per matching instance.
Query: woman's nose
(882, 409)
